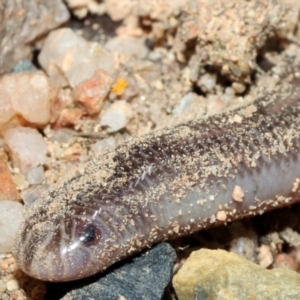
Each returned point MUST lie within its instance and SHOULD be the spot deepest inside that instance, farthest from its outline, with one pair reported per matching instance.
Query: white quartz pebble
(26, 147)
(208, 81)
(11, 216)
(117, 115)
(66, 55)
(128, 45)
(35, 175)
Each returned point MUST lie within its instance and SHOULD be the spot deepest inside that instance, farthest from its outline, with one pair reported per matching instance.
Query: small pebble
(24, 65)
(26, 146)
(284, 260)
(92, 92)
(69, 116)
(265, 256)
(63, 136)
(207, 82)
(8, 189)
(36, 175)
(12, 285)
(238, 87)
(244, 241)
(20, 181)
(117, 116)
(103, 145)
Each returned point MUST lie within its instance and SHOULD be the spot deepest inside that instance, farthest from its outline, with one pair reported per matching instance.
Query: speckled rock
(144, 278)
(23, 21)
(218, 274)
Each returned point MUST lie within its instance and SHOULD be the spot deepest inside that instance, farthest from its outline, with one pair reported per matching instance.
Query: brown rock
(8, 189)
(286, 261)
(92, 92)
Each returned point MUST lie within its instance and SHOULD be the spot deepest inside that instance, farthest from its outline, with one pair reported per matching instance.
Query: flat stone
(145, 277)
(218, 274)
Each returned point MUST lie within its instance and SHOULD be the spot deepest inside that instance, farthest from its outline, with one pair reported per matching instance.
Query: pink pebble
(26, 146)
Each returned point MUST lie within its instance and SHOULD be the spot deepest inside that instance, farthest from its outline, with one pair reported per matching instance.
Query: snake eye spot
(90, 235)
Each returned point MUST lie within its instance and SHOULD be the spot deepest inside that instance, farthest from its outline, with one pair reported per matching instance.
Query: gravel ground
(161, 63)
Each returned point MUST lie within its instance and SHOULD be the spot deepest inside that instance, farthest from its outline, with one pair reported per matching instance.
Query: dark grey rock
(144, 278)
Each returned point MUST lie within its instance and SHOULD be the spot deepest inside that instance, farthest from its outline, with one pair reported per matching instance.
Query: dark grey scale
(263, 126)
(122, 164)
(165, 148)
(202, 146)
(217, 138)
(266, 127)
(261, 110)
(142, 155)
(279, 122)
(293, 112)
(256, 142)
(266, 143)
(149, 155)
(196, 142)
(161, 151)
(248, 125)
(153, 154)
